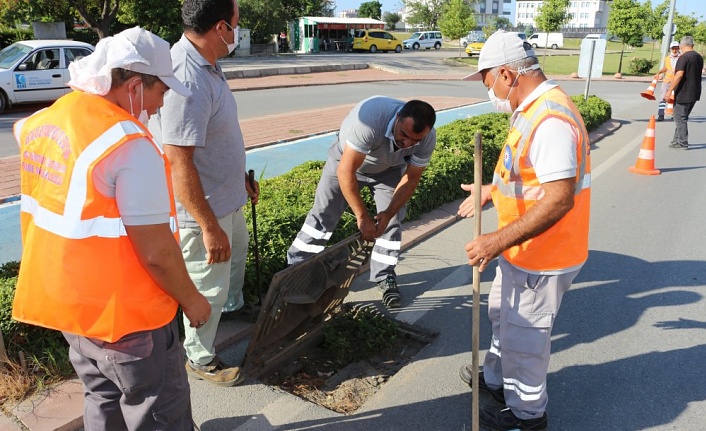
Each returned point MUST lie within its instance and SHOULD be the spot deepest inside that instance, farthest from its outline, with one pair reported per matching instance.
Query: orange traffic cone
(650, 93)
(645, 164)
(670, 104)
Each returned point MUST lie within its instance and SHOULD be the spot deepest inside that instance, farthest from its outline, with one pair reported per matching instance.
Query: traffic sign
(665, 30)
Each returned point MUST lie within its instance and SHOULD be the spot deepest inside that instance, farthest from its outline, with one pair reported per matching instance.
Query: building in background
(349, 13)
(311, 34)
(487, 10)
(587, 14)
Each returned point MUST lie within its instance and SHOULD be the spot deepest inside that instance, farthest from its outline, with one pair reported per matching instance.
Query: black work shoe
(466, 374)
(502, 419)
(679, 146)
(390, 295)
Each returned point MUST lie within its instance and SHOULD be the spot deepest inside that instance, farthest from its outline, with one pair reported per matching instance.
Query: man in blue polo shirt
(384, 144)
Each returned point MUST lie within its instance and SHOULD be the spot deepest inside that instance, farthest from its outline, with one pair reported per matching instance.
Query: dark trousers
(681, 116)
(137, 383)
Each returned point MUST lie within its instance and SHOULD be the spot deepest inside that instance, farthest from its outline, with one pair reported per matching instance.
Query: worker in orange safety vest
(670, 62)
(541, 190)
(101, 260)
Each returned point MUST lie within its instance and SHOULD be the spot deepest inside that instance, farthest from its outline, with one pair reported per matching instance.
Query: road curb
(291, 70)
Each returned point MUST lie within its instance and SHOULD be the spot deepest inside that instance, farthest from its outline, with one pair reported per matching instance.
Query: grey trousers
(138, 383)
(329, 205)
(522, 308)
(681, 117)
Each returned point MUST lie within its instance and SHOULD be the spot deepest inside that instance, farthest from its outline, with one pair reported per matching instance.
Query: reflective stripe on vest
(70, 225)
(516, 189)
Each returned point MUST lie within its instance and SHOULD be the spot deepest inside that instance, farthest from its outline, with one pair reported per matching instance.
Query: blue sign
(20, 80)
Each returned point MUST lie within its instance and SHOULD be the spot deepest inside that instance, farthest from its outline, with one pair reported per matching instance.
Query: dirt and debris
(315, 377)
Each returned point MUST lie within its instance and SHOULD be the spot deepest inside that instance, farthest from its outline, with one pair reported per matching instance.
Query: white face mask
(231, 46)
(143, 117)
(501, 105)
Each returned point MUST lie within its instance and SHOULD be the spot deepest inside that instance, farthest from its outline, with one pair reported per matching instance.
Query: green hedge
(284, 203)
(285, 200)
(8, 37)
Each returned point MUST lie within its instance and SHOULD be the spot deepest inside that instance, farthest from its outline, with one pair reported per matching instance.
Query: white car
(37, 70)
(424, 39)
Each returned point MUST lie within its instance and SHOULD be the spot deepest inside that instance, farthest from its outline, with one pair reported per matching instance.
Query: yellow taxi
(375, 40)
(474, 48)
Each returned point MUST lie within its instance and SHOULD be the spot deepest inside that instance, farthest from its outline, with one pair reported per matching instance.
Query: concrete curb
(291, 70)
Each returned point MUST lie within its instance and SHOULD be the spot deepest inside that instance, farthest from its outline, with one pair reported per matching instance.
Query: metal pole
(475, 342)
(590, 69)
(667, 39)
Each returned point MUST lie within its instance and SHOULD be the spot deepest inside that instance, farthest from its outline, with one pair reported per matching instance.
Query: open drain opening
(292, 345)
(352, 357)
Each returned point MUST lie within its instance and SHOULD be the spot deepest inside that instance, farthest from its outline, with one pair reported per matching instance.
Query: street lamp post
(667, 39)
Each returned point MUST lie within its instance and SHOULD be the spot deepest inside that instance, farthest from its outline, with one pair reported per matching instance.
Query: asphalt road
(256, 103)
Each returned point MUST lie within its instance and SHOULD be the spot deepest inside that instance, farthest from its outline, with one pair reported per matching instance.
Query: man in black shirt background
(687, 90)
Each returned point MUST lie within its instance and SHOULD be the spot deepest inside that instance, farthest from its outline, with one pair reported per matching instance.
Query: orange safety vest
(669, 73)
(516, 189)
(79, 271)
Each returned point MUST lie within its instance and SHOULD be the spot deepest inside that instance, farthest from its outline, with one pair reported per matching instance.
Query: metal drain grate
(299, 299)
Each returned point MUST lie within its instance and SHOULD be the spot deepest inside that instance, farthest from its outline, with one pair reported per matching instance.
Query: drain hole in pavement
(345, 365)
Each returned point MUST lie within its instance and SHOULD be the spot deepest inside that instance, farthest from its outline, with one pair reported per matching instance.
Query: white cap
(673, 44)
(134, 49)
(500, 49)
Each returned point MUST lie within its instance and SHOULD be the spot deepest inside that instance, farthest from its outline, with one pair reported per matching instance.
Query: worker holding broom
(541, 190)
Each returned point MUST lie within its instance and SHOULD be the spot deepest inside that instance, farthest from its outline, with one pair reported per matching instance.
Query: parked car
(374, 40)
(37, 70)
(424, 39)
(475, 47)
(547, 40)
(472, 36)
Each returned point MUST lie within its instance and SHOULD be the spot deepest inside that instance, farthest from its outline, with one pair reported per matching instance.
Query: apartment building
(487, 10)
(584, 14)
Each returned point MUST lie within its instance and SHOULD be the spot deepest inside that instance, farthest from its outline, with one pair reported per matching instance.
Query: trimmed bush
(595, 111)
(641, 65)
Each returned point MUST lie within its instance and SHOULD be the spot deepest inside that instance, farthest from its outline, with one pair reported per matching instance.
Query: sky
(687, 7)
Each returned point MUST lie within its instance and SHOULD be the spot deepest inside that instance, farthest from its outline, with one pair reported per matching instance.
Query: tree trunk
(620, 64)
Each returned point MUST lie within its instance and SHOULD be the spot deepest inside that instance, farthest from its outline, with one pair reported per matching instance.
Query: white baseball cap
(501, 48)
(674, 44)
(134, 49)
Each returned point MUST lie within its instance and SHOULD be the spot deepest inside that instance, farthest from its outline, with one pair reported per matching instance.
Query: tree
(457, 20)
(370, 9)
(12, 11)
(655, 19)
(502, 23)
(685, 25)
(551, 16)
(424, 13)
(97, 14)
(391, 19)
(494, 25)
(626, 21)
(161, 17)
(265, 18)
